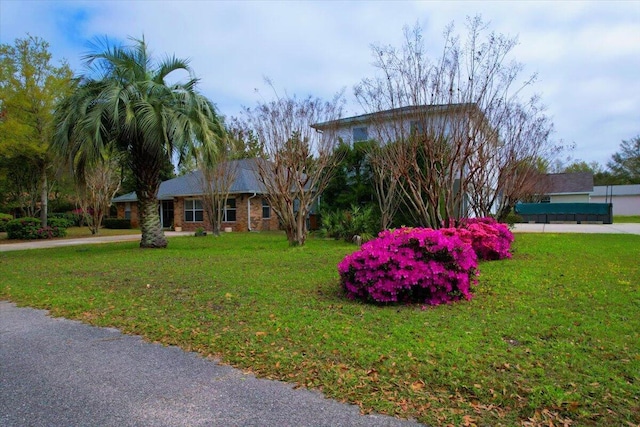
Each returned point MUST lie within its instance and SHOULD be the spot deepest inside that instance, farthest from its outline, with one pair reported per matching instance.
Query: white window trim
(193, 210)
(265, 204)
(234, 209)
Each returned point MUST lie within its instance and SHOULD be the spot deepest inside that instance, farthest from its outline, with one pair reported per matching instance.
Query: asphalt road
(58, 372)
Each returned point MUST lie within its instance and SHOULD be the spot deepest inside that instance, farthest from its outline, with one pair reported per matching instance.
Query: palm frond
(124, 101)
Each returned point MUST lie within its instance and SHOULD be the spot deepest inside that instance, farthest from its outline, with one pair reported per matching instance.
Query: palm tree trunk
(146, 170)
(150, 226)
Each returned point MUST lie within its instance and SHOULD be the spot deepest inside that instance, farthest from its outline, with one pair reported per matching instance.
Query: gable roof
(568, 183)
(247, 180)
(395, 113)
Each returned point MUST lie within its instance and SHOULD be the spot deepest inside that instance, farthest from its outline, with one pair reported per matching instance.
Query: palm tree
(124, 100)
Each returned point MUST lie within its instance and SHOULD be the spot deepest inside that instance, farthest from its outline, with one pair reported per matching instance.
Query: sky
(586, 54)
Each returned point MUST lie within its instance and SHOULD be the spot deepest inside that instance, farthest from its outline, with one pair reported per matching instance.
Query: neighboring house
(567, 187)
(181, 202)
(625, 198)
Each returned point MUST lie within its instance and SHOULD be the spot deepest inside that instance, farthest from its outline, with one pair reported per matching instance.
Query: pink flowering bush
(411, 264)
(490, 239)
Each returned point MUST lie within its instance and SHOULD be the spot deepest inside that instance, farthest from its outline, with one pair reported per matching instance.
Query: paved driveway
(629, 228)
(56, 243)
(58, 372)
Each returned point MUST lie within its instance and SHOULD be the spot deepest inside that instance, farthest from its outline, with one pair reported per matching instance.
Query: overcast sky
(586, 53)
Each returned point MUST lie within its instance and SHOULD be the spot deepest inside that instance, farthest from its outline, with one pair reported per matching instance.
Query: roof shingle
(577, 182)
(247, 180)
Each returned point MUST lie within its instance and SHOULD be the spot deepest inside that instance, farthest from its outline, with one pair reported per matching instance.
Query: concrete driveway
(58, 372)
(629, 228)
(56, 243)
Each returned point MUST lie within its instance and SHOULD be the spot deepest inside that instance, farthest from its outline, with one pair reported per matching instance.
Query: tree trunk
(146, 170)
(150, 226)
(44, 198)
(299, 235)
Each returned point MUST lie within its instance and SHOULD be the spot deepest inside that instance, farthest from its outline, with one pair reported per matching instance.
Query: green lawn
(552, 334)
(621, 219)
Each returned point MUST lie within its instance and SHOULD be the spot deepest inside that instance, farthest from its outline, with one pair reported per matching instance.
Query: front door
(166, 213)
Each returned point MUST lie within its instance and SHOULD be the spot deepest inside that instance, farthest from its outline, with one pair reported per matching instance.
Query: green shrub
(355, 225)
(73, 219)
(23, 228)
(60, 222)
(513, 218)
(200, 232)
(30, 229)
(4, 219)
(117, 223)
(50, 232)
(61, 205)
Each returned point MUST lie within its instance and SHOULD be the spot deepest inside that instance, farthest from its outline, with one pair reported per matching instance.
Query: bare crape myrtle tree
(218, 174)
(298, 160)
(96, 187)
(459, 137)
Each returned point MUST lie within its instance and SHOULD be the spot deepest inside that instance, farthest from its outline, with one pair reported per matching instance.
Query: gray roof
(406, 112)
(616, 190)
(569, 183)
(247, 180)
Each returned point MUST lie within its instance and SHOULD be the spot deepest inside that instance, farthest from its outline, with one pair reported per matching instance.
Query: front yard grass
(621, 219)
(552, 335)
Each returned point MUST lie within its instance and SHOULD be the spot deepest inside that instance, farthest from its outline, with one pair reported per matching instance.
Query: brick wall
(257, 222)
(242, 215)
(120, 209)
(178, 213)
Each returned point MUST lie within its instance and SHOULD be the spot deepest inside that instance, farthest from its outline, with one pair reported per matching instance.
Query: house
(625, 198)
(463, 127)
(566, 197)
(573, 187)
(390, 125)
(181, 202)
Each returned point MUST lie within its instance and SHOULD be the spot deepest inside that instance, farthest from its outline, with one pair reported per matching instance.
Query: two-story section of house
(460, 128)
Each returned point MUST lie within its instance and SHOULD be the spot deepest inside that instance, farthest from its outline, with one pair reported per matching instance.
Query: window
(266, 209)
(360, 134)
(193, 210)
(127, 210)
(229, 214)
(417, 127)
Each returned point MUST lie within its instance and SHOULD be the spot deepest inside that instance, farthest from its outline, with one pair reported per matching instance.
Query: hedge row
(30, 229)
(117, 223)
(4, 219)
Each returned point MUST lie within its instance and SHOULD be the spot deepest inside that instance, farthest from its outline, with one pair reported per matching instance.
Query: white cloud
(587, 53)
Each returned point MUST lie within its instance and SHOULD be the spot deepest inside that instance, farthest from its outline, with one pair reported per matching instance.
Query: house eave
(395, 113)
